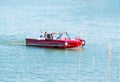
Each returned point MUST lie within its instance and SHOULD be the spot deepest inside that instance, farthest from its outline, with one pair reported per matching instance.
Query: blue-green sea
(97, 21)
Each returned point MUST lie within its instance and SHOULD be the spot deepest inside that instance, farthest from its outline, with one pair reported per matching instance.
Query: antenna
(80, 35)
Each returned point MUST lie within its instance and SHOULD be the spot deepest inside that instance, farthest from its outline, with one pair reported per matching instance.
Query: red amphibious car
(49, 41)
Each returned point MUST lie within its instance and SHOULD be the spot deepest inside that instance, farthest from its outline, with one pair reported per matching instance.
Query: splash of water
(13, 43)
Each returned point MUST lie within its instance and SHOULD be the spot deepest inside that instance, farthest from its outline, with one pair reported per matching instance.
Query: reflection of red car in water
(50, 41)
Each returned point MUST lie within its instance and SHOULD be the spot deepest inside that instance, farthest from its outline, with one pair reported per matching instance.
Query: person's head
(45, 32)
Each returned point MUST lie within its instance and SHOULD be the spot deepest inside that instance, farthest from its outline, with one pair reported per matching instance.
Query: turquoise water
(98, 22)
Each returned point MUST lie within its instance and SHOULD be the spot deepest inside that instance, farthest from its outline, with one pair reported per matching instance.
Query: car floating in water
(55, 40)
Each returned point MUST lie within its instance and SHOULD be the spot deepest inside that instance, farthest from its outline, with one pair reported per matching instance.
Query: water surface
(97, 21)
